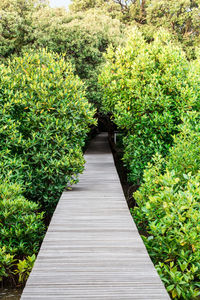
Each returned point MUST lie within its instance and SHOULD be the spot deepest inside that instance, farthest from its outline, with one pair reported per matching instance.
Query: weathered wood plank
(92, 249)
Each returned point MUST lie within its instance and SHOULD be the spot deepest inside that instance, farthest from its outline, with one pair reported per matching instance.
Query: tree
(121, 9)
(181, 17)
(16, 24)
(82, 37)
(110, 7)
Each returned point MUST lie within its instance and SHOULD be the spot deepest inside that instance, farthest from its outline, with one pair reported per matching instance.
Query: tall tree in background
(125, 10)
(109, 7)
(83, 37)
(180, 17)
(16, 29)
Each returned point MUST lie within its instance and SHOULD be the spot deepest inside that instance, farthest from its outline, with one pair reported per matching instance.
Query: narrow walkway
(92, 249)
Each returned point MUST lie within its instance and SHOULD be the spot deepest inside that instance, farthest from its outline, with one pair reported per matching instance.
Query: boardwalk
(92, 249)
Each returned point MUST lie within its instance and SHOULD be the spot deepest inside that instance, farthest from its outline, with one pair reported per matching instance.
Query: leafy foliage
(110, 8)
(124, 10)
(7, 261)
(21, 225)
(16, 24)
(180, 17)
(184, 156)
(169, 208)
(24, 268)
(45, 119)
(147, 86)
(21, 228)
(82, 37)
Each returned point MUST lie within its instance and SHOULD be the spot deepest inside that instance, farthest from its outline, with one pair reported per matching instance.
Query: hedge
(45, 119)
(169, 210)
(147, 86)
(21, 230)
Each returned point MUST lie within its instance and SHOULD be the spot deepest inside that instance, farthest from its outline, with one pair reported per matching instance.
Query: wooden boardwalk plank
(92, 249)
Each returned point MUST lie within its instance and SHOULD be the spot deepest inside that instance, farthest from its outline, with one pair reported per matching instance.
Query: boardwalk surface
(92, 249)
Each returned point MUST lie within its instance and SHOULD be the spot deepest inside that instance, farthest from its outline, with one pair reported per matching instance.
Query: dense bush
(147, 86)
(45, 119)
(21, 228)
(169, 209)
(184, 156)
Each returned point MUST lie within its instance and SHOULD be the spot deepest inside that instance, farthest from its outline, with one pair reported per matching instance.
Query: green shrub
(21, 228)
(147, 87)
(169, 210)
(45, 119)
(24, 268)
(171, 215)
(184, 156)
(7, 262)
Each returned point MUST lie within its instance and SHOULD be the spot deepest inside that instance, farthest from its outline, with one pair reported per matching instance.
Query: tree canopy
(180, 17)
